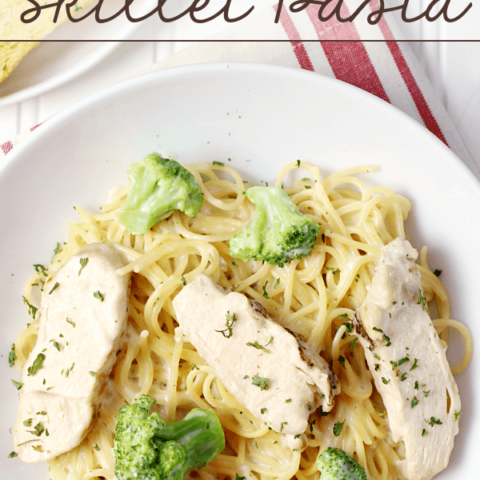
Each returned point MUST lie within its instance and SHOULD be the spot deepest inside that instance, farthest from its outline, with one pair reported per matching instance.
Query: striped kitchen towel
(382, 66)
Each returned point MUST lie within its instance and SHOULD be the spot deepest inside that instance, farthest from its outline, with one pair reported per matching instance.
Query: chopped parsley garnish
(352, 343)
(349, 327)
(263, 410)
(41, 269)
(337, 428)
(262, 383)
(38, 429)
(288, 400)
(12, 356)
(269, 342)
(457, 415)
(377, 329)
(385, 381)
(343, 315)
(282, 424)
(433, 421)
(421, 299)
(220, 164)
(341, 359)
(56, 345)
(308, 187)
(97, 448)
(426, 392)
(92, 373)
(182, 278)
(437, 272)
(83, 264)
(258, 346)
(403, 360)
(194, 367)
(27, 422)
(36, 365)
(228, 332)
(277, 283)
(265, 293)
(31, 309)
(387, 339)
(416, 385)
(299, 163)
(58, 249)
(98, 295)
(29, 441)
(403, 377)
(377, 366)
(311, 426)
(17, 385)
(376, 356)
(245, 377)
(414, 402)
(415, 365)
(43, 412)
(424, 432)
(71, 323)
(12, 455)
(67, 373)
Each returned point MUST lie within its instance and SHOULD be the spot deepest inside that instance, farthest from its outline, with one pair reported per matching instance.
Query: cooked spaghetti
(313, 297)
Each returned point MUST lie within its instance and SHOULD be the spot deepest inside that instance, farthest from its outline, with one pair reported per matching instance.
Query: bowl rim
(47, 128)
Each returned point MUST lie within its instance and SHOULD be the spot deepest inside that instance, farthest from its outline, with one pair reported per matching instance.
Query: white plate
(52, 64)
(261, 117)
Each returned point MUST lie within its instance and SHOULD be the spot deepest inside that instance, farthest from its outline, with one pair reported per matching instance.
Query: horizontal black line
(244, 41)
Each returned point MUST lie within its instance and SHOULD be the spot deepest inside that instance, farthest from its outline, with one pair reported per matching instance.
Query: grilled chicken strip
(408, 363)
(263, 365)
(81, 327)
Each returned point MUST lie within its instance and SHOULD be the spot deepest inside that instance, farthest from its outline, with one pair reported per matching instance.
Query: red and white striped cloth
(385, 68)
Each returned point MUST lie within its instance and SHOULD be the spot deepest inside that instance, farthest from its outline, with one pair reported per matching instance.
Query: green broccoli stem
(201, 435)
(147, 448)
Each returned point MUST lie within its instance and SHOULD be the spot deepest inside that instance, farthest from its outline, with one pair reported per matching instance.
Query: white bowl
(261, 117)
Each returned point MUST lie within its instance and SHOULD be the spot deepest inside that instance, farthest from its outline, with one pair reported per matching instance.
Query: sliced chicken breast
(263, 365)
(408, 362)
(81, 327)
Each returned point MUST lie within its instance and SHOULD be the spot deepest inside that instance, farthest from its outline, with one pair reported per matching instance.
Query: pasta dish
(317, 297)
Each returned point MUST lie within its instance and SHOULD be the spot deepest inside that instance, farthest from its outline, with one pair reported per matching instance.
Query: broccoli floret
(159, 187)
(147, 448)
(278, 232)
(335, 464)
